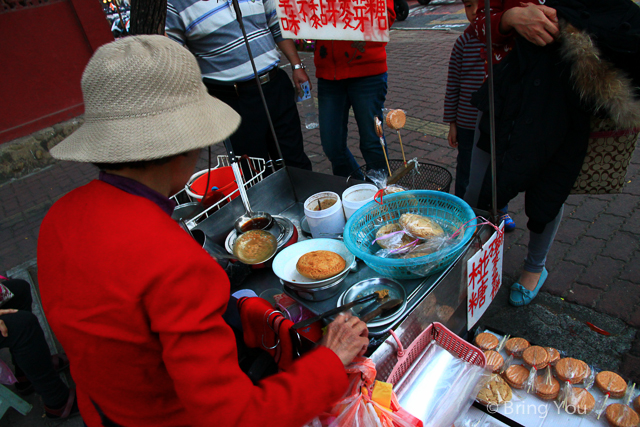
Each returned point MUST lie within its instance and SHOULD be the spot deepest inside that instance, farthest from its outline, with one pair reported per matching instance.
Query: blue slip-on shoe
(522, 296)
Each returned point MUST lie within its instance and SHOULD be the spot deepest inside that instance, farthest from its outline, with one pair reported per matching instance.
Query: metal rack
(254, 171)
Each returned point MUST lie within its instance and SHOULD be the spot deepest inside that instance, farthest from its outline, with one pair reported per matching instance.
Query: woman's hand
(347, 337)
(3, 328)
(534, 22)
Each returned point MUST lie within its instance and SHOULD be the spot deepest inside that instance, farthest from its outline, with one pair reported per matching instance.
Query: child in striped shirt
(466, 75)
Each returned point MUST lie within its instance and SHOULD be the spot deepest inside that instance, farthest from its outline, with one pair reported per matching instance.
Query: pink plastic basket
(445, 339)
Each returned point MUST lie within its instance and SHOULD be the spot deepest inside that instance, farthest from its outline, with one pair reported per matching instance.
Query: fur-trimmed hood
(598, 82)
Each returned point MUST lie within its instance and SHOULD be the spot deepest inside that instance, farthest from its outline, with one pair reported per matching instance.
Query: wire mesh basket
(253, 173)
(425, 176)
(444, 338)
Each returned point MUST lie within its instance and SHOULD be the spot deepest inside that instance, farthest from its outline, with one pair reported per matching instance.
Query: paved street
(594, 264)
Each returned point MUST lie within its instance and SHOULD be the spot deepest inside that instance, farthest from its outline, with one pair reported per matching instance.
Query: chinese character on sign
(484, 276)
(358, 20)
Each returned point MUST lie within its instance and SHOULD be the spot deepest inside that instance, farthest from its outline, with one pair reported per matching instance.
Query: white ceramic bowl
(284, 264)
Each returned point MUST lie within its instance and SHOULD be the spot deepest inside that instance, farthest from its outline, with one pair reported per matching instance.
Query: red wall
(43, 53)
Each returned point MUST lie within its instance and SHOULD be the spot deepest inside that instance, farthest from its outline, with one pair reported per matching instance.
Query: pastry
(516, 346)
(319, 265)
(396, 119)
(536, 356)
(572, 370)
(420, 226)
(580, 401)
(547, 387)
(390, 189)
(486, 341)
(619, 415)
(636, 404)
(612, 383)
(554, 355)
(392, 242)
(516, 376)
(494, 360)
(495, 392)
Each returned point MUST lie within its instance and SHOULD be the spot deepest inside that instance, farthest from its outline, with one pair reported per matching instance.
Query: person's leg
(333, 116)
(249, 139)
(30, 352)
(463, 161)
(539, 246)
(367, 96)
(280, 95)
(534, 273)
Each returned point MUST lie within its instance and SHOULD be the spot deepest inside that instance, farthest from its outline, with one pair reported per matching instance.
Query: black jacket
(544, 100)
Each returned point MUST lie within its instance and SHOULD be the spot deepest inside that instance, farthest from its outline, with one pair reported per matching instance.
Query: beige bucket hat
(144, 99)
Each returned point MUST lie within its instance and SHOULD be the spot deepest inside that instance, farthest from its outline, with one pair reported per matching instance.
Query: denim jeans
(366, 95)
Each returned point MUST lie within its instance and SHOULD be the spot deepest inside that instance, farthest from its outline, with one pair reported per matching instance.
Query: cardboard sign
(484, 276)
(358, 20)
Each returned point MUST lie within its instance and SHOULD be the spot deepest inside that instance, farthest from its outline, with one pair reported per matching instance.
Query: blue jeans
(366, 95)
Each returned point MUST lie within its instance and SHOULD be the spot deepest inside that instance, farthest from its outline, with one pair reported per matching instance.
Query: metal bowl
(369, 286)
(320, 293)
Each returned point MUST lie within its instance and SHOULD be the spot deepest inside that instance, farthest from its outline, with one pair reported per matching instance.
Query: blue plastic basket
(448, 210)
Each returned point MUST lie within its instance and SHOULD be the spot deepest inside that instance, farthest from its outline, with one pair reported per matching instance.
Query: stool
(9, 399)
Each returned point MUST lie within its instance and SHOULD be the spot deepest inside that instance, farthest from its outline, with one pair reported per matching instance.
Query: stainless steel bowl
(321, 293)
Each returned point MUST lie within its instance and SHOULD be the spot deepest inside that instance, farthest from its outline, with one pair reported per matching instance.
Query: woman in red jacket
(351, 74)
(135, 301)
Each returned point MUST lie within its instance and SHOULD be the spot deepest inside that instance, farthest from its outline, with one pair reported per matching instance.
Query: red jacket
(138, 305)
(344, 59)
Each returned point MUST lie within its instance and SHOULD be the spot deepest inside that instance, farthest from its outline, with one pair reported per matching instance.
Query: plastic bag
(357, 409)
(6, 374)
(440, 387)
(379, 177)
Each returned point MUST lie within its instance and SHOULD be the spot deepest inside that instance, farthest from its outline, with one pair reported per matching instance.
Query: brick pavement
(595, 261)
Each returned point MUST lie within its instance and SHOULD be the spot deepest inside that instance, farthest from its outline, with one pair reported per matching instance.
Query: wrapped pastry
(390, 236)
(420, 226)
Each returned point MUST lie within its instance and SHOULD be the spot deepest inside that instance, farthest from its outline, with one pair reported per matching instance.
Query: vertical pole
(492, 113)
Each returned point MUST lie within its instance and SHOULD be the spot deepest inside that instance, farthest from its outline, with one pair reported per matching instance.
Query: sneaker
(509, 224)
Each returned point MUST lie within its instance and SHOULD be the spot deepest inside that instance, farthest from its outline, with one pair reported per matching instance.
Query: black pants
(28, 347)
(254, 135)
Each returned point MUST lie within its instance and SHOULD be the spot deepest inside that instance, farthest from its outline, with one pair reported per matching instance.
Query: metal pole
(492, 113)
(236, 7)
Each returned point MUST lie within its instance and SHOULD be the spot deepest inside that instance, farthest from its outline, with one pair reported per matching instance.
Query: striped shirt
(466, 74)
(211, 32)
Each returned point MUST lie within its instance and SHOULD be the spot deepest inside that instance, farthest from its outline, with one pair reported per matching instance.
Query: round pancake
(319, 265)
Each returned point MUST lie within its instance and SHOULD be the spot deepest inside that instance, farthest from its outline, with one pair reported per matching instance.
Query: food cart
(440, 297)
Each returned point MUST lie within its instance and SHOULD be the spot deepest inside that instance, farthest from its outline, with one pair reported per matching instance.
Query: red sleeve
(199, 351)
(498, 7)
(391, 13)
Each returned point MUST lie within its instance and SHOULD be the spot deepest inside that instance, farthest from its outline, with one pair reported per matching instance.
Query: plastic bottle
(306, 107)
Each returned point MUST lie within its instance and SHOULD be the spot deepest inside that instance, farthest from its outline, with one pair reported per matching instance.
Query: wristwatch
(299, 66)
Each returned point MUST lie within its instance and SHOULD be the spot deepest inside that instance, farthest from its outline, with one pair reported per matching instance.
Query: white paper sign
(484, 276)
(358, 20)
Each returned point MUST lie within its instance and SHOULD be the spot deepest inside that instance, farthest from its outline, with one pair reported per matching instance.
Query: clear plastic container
(306, 107)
